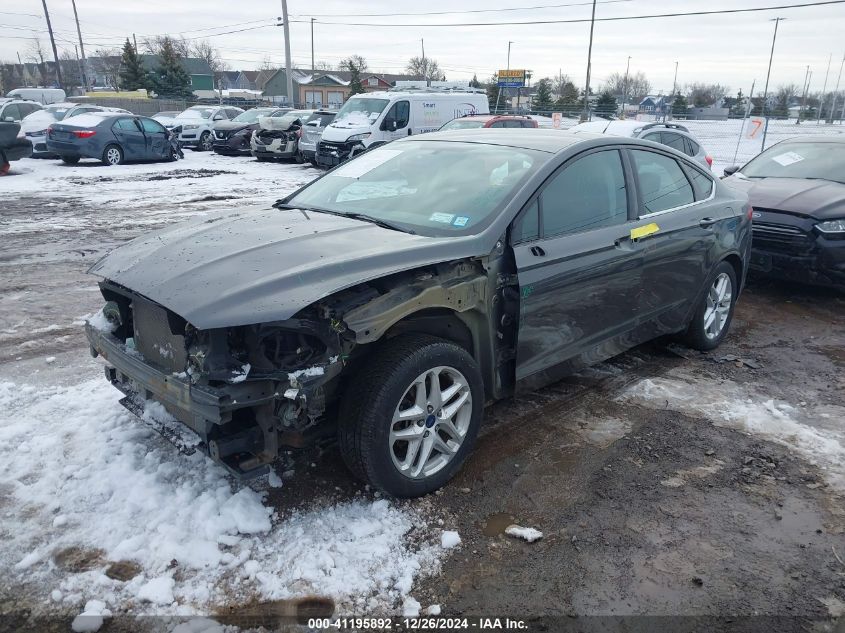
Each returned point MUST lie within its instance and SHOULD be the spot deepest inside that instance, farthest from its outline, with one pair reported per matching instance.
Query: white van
(44, 96)
(375, 118)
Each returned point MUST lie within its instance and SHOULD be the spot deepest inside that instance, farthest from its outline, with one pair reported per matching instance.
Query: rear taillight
(84, 133)
(709, 160)
(750, 212)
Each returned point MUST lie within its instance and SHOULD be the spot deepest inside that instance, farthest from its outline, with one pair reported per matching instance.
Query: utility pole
(674, 88)
(79, 65)
(586, 114)
(824, 89)
(424, 75)
(766, 89)
(288, 76)
(84, 74)
(803, 94)
(625, 89)
(135, 41)
(833, 100)
(312, 44)
(53, 42)
(499, 93)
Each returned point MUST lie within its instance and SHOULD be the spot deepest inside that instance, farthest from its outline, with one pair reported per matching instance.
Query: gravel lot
(665, 482)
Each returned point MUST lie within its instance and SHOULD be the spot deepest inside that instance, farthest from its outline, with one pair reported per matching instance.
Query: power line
(540, 6)
(581, 20)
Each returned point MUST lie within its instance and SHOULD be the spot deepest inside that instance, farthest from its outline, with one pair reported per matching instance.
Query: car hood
(263, 265)
(819, 199)
(229, 126)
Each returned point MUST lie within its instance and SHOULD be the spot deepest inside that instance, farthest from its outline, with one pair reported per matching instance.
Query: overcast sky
(727, 49)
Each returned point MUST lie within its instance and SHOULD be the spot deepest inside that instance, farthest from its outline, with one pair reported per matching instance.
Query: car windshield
(289, 117)
(361, 110)
(463, 124)
(251, 116)
(196, 113)
(825, 161)
(428, 187)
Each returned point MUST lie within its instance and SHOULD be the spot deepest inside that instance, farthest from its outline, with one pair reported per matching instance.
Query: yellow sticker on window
(644, 231)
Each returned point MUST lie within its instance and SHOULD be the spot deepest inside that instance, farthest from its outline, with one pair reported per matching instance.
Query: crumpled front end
(274, 143)
(245, 393)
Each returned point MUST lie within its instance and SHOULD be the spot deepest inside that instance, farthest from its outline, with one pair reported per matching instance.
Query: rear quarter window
(702, 184)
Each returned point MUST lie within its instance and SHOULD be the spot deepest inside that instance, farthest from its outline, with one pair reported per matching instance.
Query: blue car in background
(111, 138)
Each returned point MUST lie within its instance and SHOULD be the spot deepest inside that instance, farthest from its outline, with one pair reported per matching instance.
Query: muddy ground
(644, 511)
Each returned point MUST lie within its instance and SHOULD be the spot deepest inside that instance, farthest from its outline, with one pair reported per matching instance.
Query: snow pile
(91, 618)
(449, 539)
(78, 473)
(525, 533)
(807, 430)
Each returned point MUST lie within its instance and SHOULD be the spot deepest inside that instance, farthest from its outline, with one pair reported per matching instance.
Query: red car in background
(489, 120)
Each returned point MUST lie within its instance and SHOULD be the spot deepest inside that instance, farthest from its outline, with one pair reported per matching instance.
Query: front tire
(410, 418)
(113, 155)
(206, 142)
(714, 313)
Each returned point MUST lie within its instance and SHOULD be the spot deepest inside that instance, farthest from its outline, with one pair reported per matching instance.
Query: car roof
(544, 140)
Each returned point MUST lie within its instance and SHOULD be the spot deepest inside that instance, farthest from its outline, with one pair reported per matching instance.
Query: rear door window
(673, 140)
(589, 193)
(702, 185)
(12, 111)
(127, 125)
(663, 184)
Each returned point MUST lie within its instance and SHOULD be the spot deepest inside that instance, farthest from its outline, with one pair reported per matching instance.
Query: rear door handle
(537, 251)
(707, 222)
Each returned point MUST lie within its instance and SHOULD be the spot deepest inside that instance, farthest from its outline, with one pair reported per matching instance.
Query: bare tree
(427, 69)
(106, 62)
(37, 55)
(638, 86)
(702, 95)
(321, 65)
(153, 45)
(203, 50)
(355, 61)
(70, 70)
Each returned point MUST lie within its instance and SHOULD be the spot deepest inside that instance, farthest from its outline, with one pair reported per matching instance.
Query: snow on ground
(84, 485)
(156, 192)
(810, 428)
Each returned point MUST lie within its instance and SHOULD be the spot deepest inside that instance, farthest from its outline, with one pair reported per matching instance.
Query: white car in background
(35, 125)
(193, 126)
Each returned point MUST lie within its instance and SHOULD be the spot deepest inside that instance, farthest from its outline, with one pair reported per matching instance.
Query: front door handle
(707, 222)
(537, 251)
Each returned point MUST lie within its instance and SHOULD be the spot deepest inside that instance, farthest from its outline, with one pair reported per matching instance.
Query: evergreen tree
(474, 83)
(133, 75)
(543, 99)
(679, 105)
(493, 92)
(170, 78)
(354, 65)
(606, 104)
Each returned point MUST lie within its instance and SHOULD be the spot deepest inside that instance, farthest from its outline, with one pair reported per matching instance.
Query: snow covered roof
(89, 119)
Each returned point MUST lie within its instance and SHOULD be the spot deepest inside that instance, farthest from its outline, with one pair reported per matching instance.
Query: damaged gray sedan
(388, 302)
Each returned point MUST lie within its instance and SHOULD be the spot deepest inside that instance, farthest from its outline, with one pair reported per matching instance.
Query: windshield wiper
(355, 216)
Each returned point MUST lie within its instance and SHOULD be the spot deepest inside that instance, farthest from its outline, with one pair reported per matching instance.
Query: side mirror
(730, 171)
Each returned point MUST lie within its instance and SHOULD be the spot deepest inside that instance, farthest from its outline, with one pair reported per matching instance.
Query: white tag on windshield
(788, 158)
(365, 163)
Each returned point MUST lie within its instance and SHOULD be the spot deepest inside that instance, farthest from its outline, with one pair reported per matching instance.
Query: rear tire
(112, 155)
(714, 312)
(70, 160)
(419, 387)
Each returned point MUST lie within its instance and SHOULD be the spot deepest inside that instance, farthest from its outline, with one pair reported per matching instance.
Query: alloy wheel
(206, 141)
(430, 422)
(113, 156)
(718, 306)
